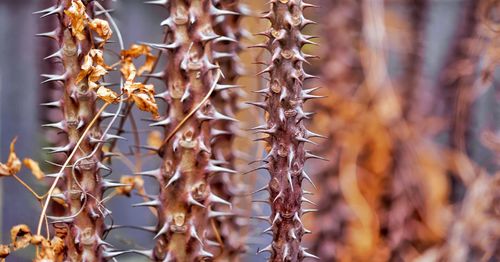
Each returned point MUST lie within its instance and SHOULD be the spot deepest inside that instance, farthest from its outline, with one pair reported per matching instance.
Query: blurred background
(411, 116)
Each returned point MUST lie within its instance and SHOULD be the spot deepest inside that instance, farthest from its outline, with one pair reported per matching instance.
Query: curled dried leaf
(128, 69)
(101, 27)
(143, 96)
(58, 200)
(148, 64)
(34, 167)
(13, 164)
(78, 17)
(134, 52)
(50, 250)
(133, 182)
(20, 236)
(93, 67)
(106, 94)
(154, 139)
(37, 239)
(4, 251)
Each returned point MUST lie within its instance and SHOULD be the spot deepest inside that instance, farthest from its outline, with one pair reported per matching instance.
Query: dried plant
(284, 132)
(226, 185)
(395, 188)
(83, 186)
(185, 202)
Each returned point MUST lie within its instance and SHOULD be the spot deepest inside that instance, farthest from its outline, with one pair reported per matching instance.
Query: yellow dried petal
(34, 167)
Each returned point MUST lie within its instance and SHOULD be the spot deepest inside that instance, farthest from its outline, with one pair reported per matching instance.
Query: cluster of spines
(227, 101)
(284, 131)
(84, 219)
(185, 202)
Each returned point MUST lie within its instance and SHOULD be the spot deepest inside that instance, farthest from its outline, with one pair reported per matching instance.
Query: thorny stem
(217, 76)
(68, 159)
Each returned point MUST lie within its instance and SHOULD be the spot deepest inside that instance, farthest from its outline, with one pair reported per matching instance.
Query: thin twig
(27, 187)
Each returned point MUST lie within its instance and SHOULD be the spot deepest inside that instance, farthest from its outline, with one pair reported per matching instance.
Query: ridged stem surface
(284, 131)
(83, 190)
(186, 202)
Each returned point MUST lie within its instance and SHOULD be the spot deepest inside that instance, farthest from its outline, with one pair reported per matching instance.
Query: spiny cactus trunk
(285, 131)
(83, 190)
(185, 201)
(226, 101)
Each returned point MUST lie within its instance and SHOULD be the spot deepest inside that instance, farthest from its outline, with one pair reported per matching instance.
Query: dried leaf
(154, 139)
(78, 17)
(50, 250)
(37, 239)
(58, 200)
(101, 27)
(13, 164)
(128, 69)
(134, 52)
(20, 236)
(108, 95)
(4, 251)
(94, 67)
(133, 183)
(148, 64)
(143, 96)
(34, 167)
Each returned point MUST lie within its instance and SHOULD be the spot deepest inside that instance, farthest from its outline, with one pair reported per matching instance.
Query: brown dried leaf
(37, 239)
(78, 17)
(143, 96)
(101, 27)
(57, 245)
(58, 200)
(134, 52)
(13, 164)
(154, 139)
(133, 183)
(34, 167)
(50, 250)
(108, 95)
(4, 251)
(20, 236)
(128, 69)
(148, 64)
